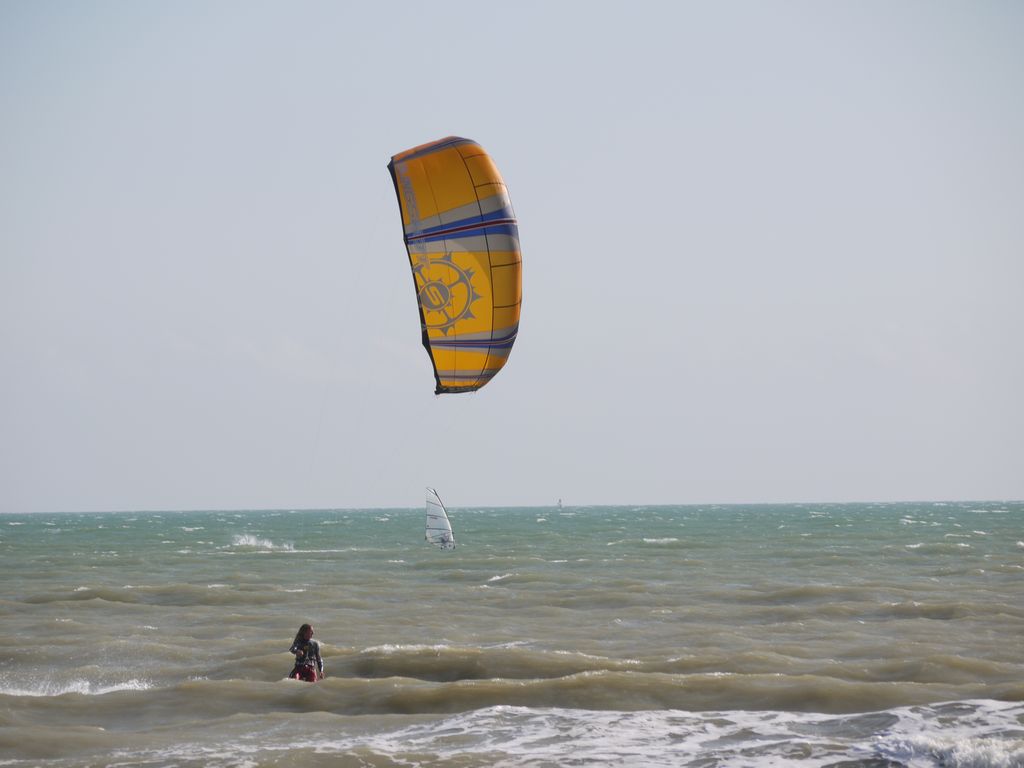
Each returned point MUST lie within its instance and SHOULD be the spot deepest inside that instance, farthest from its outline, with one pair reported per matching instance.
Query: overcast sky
(772, 251)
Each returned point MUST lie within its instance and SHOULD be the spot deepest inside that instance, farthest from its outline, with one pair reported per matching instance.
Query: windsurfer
(309, 664)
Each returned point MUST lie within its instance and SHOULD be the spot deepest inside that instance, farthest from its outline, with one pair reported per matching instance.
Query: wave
(395, 679)
(603, 690)
(443, 663)
(182, 595)
(80, 686)
(251, 541)
(308, 731)
(959, 735)
(808, 593)
(139, 701)
(752, 680)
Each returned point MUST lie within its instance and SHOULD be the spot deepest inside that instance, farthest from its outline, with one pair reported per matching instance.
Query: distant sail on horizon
(439, 528)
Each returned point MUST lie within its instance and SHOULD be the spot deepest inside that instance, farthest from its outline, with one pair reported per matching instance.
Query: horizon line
(289, 509)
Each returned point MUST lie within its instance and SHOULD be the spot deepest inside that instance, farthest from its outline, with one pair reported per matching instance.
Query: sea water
(810, 635)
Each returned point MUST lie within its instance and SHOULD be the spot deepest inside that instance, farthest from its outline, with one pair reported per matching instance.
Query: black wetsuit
(309, 664)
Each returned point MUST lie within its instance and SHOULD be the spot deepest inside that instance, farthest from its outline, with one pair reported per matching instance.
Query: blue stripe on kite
(505, 213)
(508, 342)
(510, 335)
(469, 376)
(507, 227)
(502, 216)
(473, 347)
(504, 342)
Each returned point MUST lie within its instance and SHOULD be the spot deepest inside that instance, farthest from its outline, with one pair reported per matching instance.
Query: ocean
(841, 635)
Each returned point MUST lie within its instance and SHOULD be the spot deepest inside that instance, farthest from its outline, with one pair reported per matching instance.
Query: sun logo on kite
(446, 292)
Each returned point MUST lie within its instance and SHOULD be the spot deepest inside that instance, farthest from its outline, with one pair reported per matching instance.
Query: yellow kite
(463, 245)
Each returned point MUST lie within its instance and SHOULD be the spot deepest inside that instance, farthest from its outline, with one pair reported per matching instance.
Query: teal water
(704, 635)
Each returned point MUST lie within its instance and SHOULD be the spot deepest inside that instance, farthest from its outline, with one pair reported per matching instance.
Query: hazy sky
(772, 251)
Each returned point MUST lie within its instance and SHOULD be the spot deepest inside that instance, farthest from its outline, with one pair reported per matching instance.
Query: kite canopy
(463, 244)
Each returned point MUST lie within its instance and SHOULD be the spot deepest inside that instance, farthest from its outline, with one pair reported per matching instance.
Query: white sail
(439, 529)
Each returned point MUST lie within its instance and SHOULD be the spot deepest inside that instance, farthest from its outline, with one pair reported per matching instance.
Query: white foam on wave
(510, 644)
(955, 752)
(972, 734)
(985, 735)
(666, 540)
(251, 541)
(79, 686)
(389, 649)
(978, 734)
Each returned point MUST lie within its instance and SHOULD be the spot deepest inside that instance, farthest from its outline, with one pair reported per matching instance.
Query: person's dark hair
(300, 634)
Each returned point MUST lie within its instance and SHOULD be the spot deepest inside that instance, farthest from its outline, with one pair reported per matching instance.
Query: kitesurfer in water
(309, 664)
